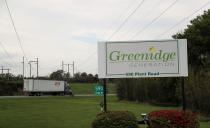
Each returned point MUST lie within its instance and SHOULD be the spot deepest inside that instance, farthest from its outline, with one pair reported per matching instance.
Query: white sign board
(153, 58)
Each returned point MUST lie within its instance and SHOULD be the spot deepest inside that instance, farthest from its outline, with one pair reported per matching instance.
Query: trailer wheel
(72, 94)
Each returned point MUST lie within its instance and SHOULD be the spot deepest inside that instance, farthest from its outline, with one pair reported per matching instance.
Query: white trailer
(40, 87)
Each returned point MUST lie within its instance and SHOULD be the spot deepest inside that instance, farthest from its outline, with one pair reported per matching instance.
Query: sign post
(183, 95)
(149, 58)
(104, 84)
(99, 90)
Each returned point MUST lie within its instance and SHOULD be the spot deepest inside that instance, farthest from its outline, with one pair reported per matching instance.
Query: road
(5, 97)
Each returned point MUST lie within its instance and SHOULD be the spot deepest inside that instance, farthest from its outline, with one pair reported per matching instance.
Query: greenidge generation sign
(153, 58)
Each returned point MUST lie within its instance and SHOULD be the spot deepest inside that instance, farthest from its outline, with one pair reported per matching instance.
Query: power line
(183, 20)
(1, 44)
(37, 64)
(137, 25)
(127, 18)
(88, 58)
(85, 66)
(73, 67)
(120, 16)
(156, 18)
(128, 7)
(5, 62)
(118, 29)
(2, 70)
(17, 35)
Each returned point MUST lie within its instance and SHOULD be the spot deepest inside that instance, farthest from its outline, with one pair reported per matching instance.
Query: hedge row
(167, 91)
(153, 90)
(9, 88)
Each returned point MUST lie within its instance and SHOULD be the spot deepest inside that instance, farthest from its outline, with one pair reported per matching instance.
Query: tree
(197, 84)
(84, 77)
(90, 78)
(198, 38)
(67, 75)
(96, 78)
(167, 90)
(57, 75)
(77, 77)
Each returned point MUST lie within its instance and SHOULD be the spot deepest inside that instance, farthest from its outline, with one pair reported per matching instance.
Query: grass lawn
(64, 112)
(88, 88)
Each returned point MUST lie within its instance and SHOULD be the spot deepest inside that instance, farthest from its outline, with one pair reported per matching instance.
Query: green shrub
(197, 89)
(115, 119)
(163, 91)
(173, 119)
(10, 87)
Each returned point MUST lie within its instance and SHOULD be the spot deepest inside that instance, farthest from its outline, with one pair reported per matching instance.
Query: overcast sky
(68, 30)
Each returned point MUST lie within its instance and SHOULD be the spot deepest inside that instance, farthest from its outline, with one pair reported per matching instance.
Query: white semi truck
(34, 87)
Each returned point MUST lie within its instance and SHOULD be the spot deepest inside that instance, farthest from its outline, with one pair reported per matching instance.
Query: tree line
(13, 84)
(78, 77)
(167, 91)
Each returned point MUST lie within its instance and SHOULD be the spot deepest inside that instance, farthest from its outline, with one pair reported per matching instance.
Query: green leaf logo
(152, 49)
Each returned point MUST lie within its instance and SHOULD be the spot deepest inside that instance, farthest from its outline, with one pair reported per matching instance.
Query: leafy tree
(67, 75)
(167, 90)
(57, 75)
(90, 78)
(197, 84)
(198, 38)
(77, 77)
(96, 78)
(84, 75)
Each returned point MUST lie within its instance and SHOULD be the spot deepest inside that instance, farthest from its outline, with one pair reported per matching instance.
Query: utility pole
(36, 67)
(30, 68)
(37, 72)
(73, 69)
(7, 70)
(62, 66)
(2, 70)
(68, 67)
(23, 67)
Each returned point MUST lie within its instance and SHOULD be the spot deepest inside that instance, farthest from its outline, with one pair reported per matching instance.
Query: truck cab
(67, 89)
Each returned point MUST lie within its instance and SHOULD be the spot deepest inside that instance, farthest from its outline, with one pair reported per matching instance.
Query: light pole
(36, 67)
(68, 67)
(30, 68)
(37, 72)
(23, 67)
